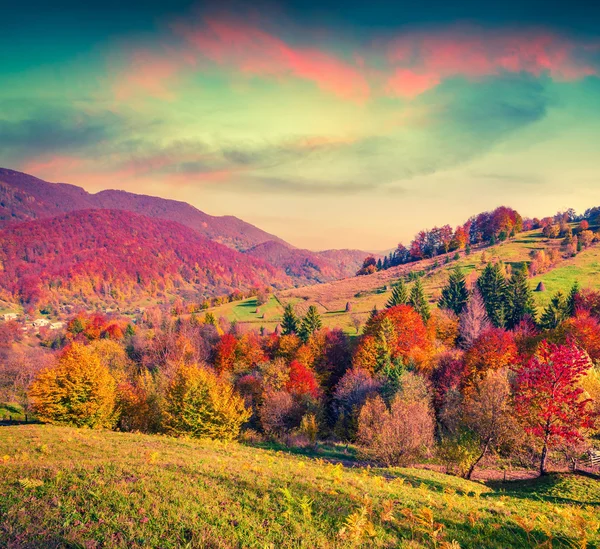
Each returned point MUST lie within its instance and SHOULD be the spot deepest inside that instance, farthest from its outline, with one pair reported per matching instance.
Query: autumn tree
(494, 292)
(520, 302)
(399, 295)
(310, 323)
(473, 320)
(289, 322)
(200, 404)
(488, 414)
(494, 349)
(78, 390)
(549, 399)
(404, 431)
(455, 294)
(418, 301)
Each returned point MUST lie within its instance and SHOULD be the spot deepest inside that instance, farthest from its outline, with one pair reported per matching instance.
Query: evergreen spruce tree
(310, 323)
(494, 291)
(556, 312)
(455, 294)
(399, 295)
(520, 298)
(379, 264)
(418, 301)
(289, 322)
(370, 323)
(571, 300)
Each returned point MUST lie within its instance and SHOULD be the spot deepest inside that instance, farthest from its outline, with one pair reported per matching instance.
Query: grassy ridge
(64, 487)
(365, 292)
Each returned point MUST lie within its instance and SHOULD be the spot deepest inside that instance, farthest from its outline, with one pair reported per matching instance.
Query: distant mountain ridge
(113, 255)
(55, 198)
(31, 208)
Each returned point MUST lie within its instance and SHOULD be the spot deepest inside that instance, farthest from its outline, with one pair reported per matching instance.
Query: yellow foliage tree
(200, 404)
(78, 390)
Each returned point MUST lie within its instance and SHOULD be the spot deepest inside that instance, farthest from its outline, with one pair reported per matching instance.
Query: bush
(459, 451)
(200, 404)
(77, 391)
(279, 413)
(400, 434)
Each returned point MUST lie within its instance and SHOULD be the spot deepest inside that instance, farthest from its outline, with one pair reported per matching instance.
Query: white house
(39, 322)
(10, 316)
(56, 325)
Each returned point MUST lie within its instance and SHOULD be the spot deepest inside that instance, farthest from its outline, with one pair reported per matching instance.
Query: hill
(40, 199)
(365, 292)
(117, 255)
(24, 197)
(307, 266)
(65, 487)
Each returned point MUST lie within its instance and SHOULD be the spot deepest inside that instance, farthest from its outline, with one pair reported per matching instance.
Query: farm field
(365, 292)
(64, 487)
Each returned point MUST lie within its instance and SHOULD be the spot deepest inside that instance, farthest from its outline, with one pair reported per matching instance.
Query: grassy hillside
(365, 292)
(64, 487)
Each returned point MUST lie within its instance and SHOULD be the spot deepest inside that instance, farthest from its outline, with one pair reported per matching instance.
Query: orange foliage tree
(79, 390)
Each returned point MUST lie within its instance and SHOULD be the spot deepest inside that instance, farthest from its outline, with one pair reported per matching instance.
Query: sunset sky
(329, 124)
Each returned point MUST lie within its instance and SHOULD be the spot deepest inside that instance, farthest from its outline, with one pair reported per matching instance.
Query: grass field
(63, 487)
(365, 292)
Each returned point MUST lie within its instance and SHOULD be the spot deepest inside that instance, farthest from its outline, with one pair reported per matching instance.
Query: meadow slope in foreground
(64, 487)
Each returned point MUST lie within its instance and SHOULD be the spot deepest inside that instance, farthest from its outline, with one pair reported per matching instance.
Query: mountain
(306, 266)
(107, 255)
(23, 196)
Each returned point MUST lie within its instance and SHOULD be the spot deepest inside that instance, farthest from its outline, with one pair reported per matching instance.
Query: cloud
(424, 59)
(253, 51)
(57, 130)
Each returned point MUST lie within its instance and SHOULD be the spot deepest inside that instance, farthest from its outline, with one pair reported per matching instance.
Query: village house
(10, 316)
(40, 322)
(56, 325)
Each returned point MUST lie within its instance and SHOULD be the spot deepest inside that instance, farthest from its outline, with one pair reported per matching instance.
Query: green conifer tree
(556, 312)
(289, 322)
(399, 295)
(494, 291)
(418, 301)
(310, 323)
(520, 298)
(455, 294)
(571, 300)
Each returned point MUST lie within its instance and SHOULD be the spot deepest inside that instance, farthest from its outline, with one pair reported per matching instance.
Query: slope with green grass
(64, 487)
(365, 292)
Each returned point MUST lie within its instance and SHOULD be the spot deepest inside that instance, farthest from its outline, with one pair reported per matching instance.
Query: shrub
(139, 404)
(200, 404)
(79, 390)
(279, 413)
(398, 435)
(351, 393)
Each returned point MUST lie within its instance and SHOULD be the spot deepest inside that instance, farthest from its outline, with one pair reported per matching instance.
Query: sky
(329, 124)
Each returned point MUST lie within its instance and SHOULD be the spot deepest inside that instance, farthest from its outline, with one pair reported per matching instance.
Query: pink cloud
(254, 51)
(151, 73)
(409, 84)
(412, 63)
(423, 60)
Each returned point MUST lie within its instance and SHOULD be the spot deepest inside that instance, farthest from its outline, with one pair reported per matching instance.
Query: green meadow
(76, 488)
(364, 293)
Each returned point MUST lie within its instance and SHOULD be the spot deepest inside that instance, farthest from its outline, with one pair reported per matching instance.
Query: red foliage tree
(492, 350)
(225, 353)
(584, 330)
(548, 396)
(302, 380)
